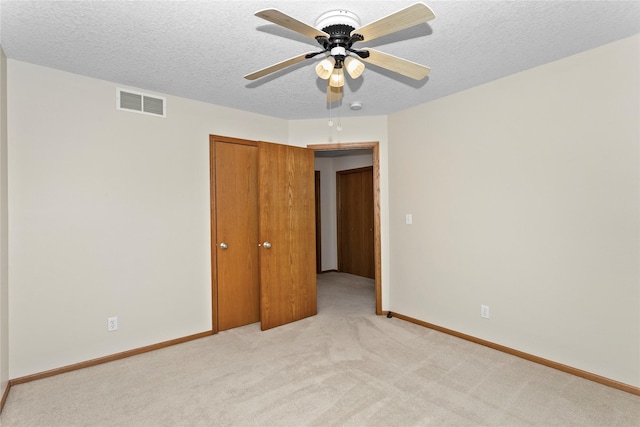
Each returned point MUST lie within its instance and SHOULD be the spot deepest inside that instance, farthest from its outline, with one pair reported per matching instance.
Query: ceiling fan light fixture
(354, 67)
(325, 67)
(337, 78)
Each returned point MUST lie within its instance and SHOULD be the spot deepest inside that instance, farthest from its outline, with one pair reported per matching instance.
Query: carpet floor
(344, 367)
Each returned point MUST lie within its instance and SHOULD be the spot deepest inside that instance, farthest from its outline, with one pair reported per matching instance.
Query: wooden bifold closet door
(263, 233)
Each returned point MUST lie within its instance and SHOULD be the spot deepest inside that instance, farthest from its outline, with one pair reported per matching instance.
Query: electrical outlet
(112, 324)
(484, 311)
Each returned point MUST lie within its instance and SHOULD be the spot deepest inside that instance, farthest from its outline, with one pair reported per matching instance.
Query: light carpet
(344, 367)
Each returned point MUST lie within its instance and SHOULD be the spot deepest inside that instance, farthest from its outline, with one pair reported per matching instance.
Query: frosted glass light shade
(325, 67)
(337, 78)
(354, 67)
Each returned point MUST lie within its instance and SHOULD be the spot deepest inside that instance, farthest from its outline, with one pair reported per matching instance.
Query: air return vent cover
(140, 103)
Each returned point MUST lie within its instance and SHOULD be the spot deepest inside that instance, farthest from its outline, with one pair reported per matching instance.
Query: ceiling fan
(337, 31)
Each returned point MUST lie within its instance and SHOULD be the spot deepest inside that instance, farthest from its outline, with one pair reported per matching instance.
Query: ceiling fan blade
(405, 18)
(333, 94)
(284, 20)
(279, 66)
(398, 65)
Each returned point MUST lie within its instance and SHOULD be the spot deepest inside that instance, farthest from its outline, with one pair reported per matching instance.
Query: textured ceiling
(201, 49)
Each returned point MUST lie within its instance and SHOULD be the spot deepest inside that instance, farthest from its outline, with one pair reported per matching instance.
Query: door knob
(223, 245)
(266, 245)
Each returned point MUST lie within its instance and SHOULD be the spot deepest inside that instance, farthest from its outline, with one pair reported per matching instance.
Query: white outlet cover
(112, 324)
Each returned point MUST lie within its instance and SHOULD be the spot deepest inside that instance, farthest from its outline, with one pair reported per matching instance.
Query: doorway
(374, 148)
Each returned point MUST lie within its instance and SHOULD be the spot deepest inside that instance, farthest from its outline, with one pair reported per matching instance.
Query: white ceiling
(201, 49)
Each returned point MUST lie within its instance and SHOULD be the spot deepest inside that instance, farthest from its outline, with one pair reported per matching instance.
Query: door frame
(377, 247)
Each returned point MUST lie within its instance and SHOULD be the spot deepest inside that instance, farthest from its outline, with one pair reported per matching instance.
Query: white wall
(525, 197)
(4, 230)
(355, 129)
(524, 193)
(328, 238)
(352, 162)
(109, 216)
(328, 166)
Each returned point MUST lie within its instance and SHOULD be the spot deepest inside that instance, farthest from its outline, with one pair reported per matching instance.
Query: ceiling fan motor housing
(339, 24)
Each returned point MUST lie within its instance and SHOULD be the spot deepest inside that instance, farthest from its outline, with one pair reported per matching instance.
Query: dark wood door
(356, 222)
(235, 198)
(287, 225)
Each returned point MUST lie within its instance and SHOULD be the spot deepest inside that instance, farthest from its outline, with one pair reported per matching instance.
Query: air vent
(140, 103)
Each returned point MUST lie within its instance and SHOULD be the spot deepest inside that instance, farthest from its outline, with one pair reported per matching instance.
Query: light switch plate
(484, 311)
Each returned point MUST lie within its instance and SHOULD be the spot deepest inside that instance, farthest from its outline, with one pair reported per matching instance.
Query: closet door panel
(236, 222)
(287, 234)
